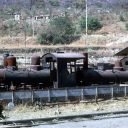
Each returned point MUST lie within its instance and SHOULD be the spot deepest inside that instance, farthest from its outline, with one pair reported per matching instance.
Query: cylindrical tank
(115, 76)
(16, 76)
(35, 67)
(122, 76)
(105, 77)
(28, 77)
(11, 61)
(35, 60)
(42, 76)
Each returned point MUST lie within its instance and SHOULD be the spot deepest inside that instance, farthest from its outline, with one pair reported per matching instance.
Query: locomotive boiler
(58, 70)
(32, 75)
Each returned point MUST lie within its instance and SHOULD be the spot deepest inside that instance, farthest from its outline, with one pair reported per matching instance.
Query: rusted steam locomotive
(56, 70)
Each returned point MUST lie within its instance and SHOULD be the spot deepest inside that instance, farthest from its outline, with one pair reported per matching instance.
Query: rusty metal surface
(5, 60)
(118, 65)
(11, 61)
(67, 56)
(35, 60)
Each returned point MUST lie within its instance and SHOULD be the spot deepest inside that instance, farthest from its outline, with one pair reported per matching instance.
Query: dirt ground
(41, 111)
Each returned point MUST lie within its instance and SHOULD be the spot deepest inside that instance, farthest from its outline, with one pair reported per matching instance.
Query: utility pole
(33, 27)
(86, 17)
(24, 24)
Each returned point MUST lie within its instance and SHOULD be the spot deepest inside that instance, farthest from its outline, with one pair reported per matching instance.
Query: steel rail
(35, 122)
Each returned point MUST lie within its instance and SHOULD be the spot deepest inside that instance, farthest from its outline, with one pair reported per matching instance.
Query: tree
(93, 23)
(62, 26)
(27, 29)
(12, 27)
(126, 25)
(39, 4)
(60, 31)
(81, 4)
(122, 18)
(54, 2)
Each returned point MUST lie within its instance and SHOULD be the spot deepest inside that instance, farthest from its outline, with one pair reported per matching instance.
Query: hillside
(112, 14)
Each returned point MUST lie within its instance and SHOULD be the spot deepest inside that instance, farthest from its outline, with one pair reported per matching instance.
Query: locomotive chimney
(35, 63)
(85, 61)
(35, 60)
(11, 62)
(5, 59)
(118, 65)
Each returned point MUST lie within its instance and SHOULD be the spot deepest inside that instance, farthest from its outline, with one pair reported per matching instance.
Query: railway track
(65, 94)
(61, 119)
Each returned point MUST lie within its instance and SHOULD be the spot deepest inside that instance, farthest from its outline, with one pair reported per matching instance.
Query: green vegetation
(60, 28)
(60, 31)
(122, 18)
(10, 28)
(54, 2)
(79, 4)
(126, 25)
(93, 23)
(27, 29)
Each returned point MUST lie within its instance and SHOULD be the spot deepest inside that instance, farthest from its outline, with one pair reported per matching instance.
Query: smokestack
(85, 61)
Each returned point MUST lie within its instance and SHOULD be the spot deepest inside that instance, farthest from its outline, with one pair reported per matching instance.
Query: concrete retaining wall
(66, 94)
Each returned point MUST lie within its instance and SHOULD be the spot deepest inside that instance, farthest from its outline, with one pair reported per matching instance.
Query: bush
(41, 39)
(58, 40)
(122, 18)
(54, 2)
(93, 23)
(27, 29)
(51, 38)
(3, 30)
(126, 25)
(10, 28)
(81, 4)
(62, 25)
(60, 31)
(45, 38)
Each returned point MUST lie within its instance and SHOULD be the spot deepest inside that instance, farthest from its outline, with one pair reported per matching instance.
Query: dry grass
(115, 29)
(28, 111)
(90, 40)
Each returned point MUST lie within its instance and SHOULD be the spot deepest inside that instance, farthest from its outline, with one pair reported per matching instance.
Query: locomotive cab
(64, 70)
